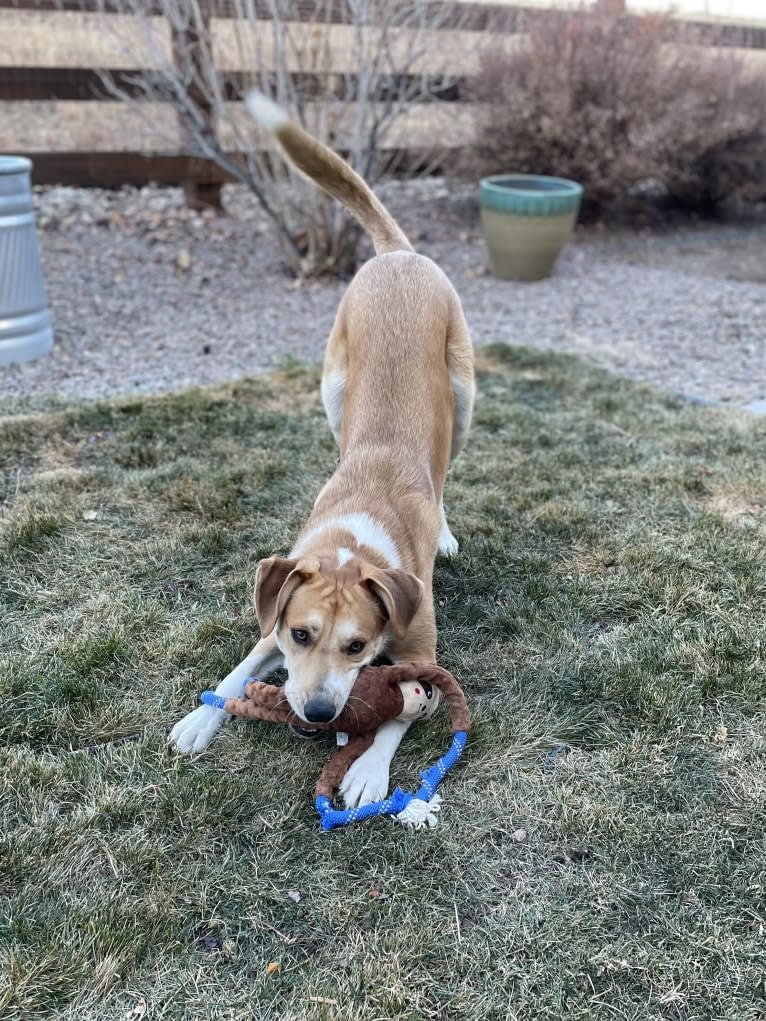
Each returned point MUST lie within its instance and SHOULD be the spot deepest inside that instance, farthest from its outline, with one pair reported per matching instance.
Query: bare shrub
(346, 70)
(611, 102)
(715, 144)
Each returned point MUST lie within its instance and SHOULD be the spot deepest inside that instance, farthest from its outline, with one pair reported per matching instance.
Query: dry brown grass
(601, 853)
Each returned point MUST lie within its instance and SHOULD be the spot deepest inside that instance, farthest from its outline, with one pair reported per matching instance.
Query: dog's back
(399, 361)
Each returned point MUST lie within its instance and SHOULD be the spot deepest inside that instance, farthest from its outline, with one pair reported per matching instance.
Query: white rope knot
(418, 814)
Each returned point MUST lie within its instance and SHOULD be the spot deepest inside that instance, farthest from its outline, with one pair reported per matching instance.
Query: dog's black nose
(318, 709)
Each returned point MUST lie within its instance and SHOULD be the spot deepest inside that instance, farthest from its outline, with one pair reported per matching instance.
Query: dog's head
(331, 621)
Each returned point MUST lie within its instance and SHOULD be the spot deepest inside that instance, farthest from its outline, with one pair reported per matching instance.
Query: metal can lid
(15, 165)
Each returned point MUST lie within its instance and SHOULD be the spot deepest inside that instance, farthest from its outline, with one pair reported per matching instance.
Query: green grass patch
(601, 852)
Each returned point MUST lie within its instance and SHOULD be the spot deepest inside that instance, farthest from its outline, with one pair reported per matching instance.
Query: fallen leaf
(273, 968)
(138, 1012)
(721, 734)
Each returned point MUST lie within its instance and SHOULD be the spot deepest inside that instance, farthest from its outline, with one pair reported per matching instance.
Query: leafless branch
(347, 84)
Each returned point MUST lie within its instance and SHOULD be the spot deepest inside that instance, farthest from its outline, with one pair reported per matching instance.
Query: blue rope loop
(331, 817)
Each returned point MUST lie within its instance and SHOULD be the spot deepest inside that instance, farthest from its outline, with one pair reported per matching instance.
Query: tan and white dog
(398, 390)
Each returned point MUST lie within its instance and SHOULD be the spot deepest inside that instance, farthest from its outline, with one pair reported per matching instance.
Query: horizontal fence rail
(39, 84)
(113, 169)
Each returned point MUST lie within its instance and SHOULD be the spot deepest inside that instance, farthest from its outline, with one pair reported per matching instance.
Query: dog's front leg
(367, 778)
(196, 730)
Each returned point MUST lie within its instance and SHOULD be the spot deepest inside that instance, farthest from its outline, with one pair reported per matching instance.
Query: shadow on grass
(607, 605)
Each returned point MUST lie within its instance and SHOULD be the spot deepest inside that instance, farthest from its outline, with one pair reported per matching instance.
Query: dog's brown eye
(300, 635)
(355, 647)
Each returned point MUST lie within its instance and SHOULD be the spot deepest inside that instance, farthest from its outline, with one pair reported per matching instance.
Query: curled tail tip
(265, 111)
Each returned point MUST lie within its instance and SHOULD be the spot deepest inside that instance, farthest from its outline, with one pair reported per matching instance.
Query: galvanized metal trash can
(25, 323)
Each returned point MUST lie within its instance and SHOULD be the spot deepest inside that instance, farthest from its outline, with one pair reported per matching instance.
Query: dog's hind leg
(334, 376)
(198, 728)
(460, 366)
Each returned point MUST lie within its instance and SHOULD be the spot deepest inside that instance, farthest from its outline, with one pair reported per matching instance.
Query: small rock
(577, 854)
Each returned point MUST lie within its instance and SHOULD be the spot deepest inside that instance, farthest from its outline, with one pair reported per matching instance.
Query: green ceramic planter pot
(526, 219)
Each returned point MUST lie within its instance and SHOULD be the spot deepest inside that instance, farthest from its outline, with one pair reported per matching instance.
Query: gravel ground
(148, 296)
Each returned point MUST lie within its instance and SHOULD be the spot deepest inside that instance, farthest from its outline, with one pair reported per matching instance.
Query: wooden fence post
(188, 55)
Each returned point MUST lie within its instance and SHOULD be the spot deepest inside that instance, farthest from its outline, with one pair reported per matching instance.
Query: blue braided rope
(433, 776)
(218, 701)
(330, 817)
(210, 698)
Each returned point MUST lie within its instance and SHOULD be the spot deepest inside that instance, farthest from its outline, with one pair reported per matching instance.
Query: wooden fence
(34, 81)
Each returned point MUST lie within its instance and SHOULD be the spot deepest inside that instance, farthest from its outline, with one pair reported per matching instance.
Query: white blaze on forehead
(347, 631)
(344, 555)
(364, 528)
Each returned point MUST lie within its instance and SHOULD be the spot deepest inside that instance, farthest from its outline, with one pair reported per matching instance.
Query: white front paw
(194, 732)
(366, 780)
(448, 544)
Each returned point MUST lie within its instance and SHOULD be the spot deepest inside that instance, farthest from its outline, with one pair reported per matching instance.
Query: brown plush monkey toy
(402, 691)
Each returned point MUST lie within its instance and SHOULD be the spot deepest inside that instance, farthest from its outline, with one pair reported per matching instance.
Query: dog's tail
(331, 173)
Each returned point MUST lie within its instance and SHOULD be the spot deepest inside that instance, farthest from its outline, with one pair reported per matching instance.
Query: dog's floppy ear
(400, 594)
(275, 581)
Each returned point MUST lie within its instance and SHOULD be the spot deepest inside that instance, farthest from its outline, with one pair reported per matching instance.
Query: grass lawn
(601, 852)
